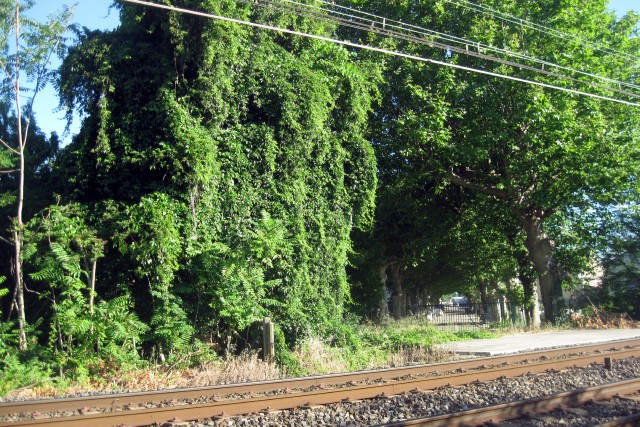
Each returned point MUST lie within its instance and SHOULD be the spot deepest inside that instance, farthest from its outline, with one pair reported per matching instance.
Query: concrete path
(538, 341)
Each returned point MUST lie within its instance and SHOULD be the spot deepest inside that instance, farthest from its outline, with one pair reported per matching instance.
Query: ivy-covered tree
(232, 160)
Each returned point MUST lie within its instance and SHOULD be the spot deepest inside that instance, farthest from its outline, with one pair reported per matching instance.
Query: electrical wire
(376, 49)
(541, 28)
(383, 29)
(372, 19)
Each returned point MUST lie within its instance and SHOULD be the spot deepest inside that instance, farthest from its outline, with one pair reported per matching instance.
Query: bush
(16, 373)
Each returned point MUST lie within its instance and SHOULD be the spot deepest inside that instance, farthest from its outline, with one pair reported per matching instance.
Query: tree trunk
(39, 77)
(533, 315)
(92, 285)
(532, 305)
(383, 306)
(426, 300)
(399, 300)
(483, 300)
(540, 250)
(19, 292)
(483, 293)
(19, 231)
(531, 294)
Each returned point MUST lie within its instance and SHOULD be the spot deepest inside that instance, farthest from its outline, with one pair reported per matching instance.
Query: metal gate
(471, 316)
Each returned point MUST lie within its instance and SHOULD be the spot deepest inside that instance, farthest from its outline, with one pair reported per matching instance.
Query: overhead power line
(376, 49)
(389, 28)
(540, 28)
(421, 31)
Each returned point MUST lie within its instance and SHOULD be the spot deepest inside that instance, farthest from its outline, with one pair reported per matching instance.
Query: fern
(49, 273)
(57, 243)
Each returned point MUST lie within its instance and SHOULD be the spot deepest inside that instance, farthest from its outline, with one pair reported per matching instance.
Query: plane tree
(538, 154)
(543, 154)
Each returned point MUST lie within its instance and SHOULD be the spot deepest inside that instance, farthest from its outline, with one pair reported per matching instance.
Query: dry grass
(412, 355)
(599, 319)
(317, 357)
(314, 355)
(376, 346)
(235, 369)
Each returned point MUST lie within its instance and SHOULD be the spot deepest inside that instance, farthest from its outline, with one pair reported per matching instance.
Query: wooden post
(268, 348)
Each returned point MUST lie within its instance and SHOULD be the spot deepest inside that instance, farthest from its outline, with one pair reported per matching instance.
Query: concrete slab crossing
(538, 341)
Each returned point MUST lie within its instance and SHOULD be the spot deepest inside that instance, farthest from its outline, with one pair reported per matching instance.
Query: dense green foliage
(522, 168)
(233, 163)
(223, 174)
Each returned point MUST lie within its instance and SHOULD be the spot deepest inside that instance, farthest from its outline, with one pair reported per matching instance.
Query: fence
(471, 316)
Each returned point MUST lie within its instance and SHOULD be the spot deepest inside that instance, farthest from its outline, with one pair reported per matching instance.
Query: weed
(352, 347)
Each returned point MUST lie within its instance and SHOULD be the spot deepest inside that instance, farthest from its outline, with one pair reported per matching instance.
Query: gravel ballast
(452, 399)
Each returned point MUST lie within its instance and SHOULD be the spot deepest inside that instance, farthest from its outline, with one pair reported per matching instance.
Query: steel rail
(509, 411)
(225, 408)
(123, 399)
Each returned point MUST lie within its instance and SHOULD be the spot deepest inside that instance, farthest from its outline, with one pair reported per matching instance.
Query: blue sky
(96, 14)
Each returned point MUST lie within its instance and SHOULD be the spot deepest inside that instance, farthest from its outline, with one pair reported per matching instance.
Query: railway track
(509, 411)
(513, 410)
(227, 400)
